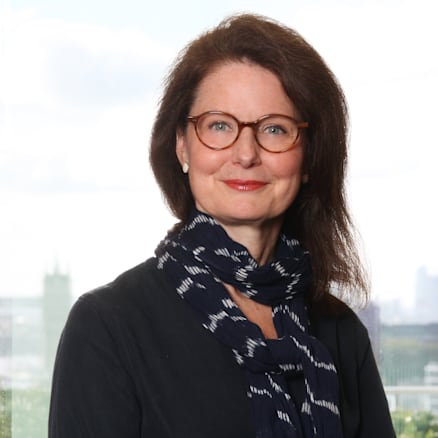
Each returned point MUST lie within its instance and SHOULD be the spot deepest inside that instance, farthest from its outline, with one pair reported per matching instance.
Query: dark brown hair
(318, 217)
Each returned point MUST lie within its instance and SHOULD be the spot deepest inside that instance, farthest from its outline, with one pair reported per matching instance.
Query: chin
(242, 214)
(245, 219)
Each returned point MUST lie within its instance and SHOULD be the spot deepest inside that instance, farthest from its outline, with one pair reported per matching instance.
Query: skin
(245, 188)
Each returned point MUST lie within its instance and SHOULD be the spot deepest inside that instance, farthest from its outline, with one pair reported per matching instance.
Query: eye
(274, 129)
(219, 126)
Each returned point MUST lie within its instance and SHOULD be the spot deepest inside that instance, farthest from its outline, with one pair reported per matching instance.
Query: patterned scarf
(199, 259)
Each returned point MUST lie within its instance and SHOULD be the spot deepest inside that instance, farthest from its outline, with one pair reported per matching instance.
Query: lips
(244, 185)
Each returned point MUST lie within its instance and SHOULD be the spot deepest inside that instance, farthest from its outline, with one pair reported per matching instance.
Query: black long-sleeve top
(134, 362)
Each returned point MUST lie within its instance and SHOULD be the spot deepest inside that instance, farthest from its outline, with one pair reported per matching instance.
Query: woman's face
(243, 184)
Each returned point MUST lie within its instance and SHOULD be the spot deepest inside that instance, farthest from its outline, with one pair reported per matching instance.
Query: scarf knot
(199, 260)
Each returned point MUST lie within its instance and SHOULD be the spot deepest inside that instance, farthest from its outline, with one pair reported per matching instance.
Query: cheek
(205, 161)
(288, 167)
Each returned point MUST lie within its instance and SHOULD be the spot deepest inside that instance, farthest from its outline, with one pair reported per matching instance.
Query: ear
(181, 148)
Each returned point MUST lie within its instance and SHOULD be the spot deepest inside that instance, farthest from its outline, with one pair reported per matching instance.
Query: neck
(260, 241)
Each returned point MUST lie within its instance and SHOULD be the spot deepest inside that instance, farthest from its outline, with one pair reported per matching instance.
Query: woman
(230, 331)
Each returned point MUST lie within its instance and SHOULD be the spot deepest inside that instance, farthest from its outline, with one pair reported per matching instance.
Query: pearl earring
(185, 167)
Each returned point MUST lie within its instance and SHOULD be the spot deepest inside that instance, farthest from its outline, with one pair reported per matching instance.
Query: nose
(246, 151)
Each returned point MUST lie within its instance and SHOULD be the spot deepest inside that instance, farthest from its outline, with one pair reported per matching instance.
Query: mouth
(244, 185)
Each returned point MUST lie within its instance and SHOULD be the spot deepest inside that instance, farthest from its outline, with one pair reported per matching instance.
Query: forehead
(242, 87)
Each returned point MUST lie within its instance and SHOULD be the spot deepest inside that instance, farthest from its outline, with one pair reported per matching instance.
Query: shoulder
(130, 287)
(132, 296)
(143, 276)
(331, 310)
(339, 328)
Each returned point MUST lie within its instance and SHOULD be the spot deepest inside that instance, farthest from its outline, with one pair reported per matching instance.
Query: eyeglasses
(273, 132)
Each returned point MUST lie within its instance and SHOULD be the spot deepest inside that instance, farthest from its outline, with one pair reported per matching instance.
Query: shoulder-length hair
(318, 217)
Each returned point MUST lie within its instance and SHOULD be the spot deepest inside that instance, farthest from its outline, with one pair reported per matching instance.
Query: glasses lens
(277, 133)
(218, 131)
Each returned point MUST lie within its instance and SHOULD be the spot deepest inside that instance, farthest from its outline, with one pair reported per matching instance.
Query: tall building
(29, 333)
(426, 297)
(57, 300)
(30, 328)
(370, 316)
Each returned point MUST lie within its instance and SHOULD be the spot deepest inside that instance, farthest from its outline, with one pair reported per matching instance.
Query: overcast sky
(79, 86)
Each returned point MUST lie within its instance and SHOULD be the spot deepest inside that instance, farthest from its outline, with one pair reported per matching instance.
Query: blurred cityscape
(29, 333)
(405, 344)
(404, 341)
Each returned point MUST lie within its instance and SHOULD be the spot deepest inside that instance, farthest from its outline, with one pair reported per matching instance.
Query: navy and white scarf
(199, 259)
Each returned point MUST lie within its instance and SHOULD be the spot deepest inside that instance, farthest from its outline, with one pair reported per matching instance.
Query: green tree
(415, 425)
(5, 413)
(30, 408)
